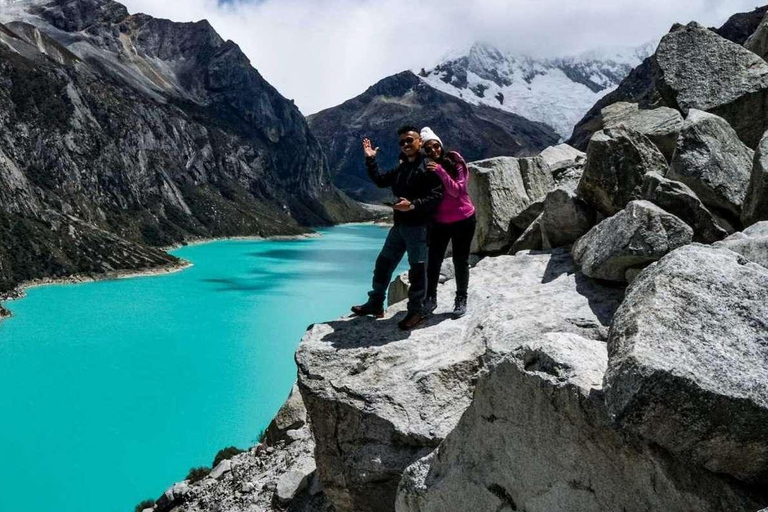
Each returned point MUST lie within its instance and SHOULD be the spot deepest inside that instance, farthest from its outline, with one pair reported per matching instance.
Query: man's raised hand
(368, 150)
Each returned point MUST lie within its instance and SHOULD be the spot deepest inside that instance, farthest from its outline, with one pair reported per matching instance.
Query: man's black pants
(402, 239)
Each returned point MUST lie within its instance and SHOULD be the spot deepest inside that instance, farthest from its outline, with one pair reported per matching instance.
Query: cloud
(323, 52)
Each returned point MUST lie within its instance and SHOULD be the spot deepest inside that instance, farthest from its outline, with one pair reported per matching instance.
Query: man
(419, 192)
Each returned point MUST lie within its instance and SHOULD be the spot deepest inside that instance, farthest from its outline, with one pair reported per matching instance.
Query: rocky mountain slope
(614, 359)
(477, 130)
(122, 131)
(556, 91)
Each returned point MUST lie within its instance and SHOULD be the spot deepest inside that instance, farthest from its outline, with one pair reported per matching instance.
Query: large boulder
(501, 188)
(758, 41)
(752, 243)
(679, 200)
(755, 207)
(537, 437)
(617, 160)
(564, 219)
(379, 398)
(691, 59)
(530, 239)
(566, 164)
(688, 360)
(634, 237)
(661, 125)
(713, 162)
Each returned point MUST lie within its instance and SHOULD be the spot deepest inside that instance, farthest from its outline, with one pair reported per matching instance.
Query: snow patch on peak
(556, 91)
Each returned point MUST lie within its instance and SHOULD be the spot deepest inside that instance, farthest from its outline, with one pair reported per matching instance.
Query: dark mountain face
(740, 26)
(475, 131)
(145, 132)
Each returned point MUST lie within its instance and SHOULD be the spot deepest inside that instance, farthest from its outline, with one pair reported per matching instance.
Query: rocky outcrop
(752, 243)
(380, 399)
(682, 202)
(152, 131)
(680, 75)
(755, 207)
(566, 164)
(633, 238)
(476, 131)
(739, 27)
(713, 162)
(538, 437)
(617, 160)
(688, 364)
(500, 189)
(291, 416)
(661, 125)
(564, 219)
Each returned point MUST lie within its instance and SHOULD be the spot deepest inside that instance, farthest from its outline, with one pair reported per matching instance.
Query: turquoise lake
(110, 391)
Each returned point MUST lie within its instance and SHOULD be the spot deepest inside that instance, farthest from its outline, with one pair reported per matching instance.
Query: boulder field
(615, 352)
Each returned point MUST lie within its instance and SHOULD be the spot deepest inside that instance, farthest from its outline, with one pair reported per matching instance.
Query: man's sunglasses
(407, 140)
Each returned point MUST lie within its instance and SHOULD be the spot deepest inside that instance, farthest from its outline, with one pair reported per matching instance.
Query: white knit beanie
(427, 135)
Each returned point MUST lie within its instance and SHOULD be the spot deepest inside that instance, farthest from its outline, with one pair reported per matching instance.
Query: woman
(454, 221)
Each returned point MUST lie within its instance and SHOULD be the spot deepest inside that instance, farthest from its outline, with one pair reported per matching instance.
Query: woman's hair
(448, 163)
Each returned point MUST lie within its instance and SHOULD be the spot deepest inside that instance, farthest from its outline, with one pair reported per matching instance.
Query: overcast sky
(323, 52)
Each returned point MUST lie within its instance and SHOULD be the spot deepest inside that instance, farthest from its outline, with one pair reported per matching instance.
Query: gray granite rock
(223, 467)
(291, 416)
(752, 243)
(661, 125)
(617, 160)
(638, 235)
(692, 58)
(398, 289)
(501, 188)
(713, 162)
(688, 360)
(758, 41)
(292, 482)
(679, 200)
(380, 399)
(564, 219)
(561, 157)
(537, 437)
(755, 207)
(530, 239)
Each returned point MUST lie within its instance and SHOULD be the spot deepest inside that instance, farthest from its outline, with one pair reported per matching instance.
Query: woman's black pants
(460, 234)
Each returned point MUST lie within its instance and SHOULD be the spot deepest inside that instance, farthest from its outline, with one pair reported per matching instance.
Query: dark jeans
(460, 233)
(402, 239)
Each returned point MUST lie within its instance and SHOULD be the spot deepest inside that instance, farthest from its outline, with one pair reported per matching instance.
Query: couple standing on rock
(432, 208)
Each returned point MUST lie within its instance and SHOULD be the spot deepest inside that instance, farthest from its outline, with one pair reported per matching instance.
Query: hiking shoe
(459, 307)
(368, 309)
(411, 320)
(430, 305)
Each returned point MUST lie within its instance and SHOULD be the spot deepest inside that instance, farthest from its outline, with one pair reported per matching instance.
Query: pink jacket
(456, 204)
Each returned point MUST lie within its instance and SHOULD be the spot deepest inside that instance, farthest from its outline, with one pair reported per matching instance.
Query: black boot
(430, 304)
(369, 308)
(460, 306)
(411, 320)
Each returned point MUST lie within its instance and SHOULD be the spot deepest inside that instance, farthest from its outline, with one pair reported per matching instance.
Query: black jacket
(413, 181)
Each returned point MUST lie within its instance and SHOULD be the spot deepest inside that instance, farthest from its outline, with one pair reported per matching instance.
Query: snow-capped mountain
(556, 91)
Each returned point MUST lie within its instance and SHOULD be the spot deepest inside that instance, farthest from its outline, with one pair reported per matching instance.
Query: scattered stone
(537, 437)
(755, 206)
(679, 200)
(565, 219)
(398, 289)
(293, 482)
(291, 416)
(224, 466)
(501, 188)
(713, 162)
(380, 398)
(247, 488)
(634, 237)
(661, 125)
(752, 243)
(617, 160)
(688, 360)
